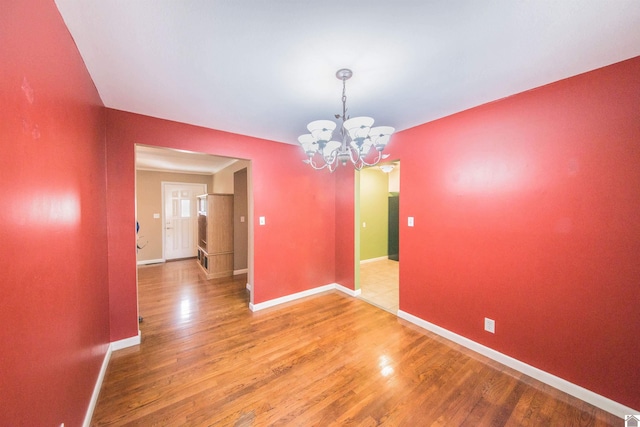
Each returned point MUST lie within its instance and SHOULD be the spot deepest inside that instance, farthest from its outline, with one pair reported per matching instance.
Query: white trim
(348, 291)
(380, 258)
(308, 292)
(575, 390)
(151, 261)
(241, 271)
(127, 342)
(115, 345)
(97, 388)
(289, 298)
(248, 286)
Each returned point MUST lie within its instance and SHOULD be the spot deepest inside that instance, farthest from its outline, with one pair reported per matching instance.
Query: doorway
(158, 165)
(377, 244)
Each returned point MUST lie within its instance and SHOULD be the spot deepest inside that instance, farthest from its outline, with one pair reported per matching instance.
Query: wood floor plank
(330, 359)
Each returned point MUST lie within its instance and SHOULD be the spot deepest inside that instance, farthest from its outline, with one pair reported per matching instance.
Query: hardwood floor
(330, 359)
(379, 284)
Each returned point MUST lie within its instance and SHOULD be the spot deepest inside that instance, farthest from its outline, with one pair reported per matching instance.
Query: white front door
(180, 219)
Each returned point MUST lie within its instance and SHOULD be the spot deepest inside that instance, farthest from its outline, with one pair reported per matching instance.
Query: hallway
(379, 284)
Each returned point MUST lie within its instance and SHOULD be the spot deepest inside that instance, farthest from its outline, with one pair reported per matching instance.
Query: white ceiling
(162, 159)
(267, 68)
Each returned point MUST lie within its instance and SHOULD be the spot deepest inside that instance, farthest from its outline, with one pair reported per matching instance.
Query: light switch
(262, 220)
(242, 218)
(156, 216)
(410, 221)
(364, 225)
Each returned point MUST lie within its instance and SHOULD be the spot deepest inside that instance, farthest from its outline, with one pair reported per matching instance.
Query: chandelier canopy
(357, 134)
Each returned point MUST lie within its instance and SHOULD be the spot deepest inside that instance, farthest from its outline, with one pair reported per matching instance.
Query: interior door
(181, 219)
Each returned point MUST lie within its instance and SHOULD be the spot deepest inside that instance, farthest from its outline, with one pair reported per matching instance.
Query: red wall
(54, 303)
(345, 221)
(294, 251)
(527, 212)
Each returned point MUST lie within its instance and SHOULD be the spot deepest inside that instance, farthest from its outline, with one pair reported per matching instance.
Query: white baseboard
(308, 292)
(575, 390)
(241, 271)
(116, 345)
(127, 342)
(380, 258)
(151, 261)
(96, 388)
(348, 291)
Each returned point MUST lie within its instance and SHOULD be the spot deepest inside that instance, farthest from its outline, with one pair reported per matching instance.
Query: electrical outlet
(410, 221)
(489, 325)
(263, 220)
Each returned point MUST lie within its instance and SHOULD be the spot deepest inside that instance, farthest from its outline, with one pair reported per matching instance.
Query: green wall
(374, 212)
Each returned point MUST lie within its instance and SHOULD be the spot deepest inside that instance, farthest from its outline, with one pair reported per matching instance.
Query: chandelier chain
(344, 109)
(344, 99)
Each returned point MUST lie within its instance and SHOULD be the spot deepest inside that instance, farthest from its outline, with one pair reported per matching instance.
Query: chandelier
(359, 138)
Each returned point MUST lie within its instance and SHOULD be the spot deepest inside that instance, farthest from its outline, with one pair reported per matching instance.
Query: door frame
(357, 231)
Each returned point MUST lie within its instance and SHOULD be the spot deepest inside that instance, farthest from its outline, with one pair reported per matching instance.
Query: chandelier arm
(352, 150)
(375, 162)
(359, 158)
(335, 152)
(358, 163)
(313, 164)
(328, 163)
(332, 157)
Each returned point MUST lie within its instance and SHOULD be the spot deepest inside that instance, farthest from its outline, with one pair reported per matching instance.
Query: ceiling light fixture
(358, 138)
(386, 168)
